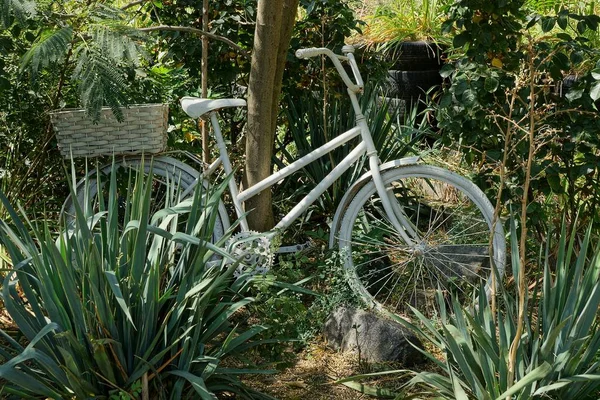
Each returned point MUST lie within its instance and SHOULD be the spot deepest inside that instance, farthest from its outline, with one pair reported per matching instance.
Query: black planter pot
(411, 85)
(418, 56)
(415, 71)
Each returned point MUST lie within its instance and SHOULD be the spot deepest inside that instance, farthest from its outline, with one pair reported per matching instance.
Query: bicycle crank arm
(293, 248)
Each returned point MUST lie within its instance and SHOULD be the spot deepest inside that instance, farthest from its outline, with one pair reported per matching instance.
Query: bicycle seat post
(224, 156)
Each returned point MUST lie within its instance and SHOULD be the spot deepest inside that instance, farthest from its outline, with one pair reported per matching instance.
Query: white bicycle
(403, 228)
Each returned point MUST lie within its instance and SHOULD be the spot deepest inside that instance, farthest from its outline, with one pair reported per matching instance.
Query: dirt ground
(313, 376)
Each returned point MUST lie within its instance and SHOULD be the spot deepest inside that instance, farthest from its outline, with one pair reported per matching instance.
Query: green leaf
(446, 100)
(370, 390)
(548, 388)
(114, 286)
(21, 9)
(549, 341)
(103, 361)
(577, 57)
(491, 84)
(461, 39)
(468, 97)
(548, 23)
(50, 48)
(447, 26)
(555, 183)
(592, 21)
(446, 70)
(586, 316)
(574, 94)
(534, 20)
(459, 392)
(581, 27)
(563, 20)
(463, 354)
(10, 372)
(197, 383)
(595, 91)
(561, 60)
(596, 74)
(564, 36)
(231, 345)
(294, 288)
(537, 374)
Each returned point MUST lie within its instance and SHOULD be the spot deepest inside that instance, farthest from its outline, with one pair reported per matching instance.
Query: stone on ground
(376, 339)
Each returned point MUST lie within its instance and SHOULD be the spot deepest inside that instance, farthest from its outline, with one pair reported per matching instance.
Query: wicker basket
(143, 130)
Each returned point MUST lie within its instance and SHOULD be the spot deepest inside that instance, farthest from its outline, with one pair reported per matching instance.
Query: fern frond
(118, 42)
(22, 9)
(114, 38)
(49, 48)
(100, 82)
(106, 12)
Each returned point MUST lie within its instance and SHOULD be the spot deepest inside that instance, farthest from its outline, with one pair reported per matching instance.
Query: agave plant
(111, 310)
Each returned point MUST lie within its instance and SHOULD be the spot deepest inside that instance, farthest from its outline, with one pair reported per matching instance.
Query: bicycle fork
(394, 211)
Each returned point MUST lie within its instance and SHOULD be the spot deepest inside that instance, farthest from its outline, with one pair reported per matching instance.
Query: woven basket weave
(143, 130)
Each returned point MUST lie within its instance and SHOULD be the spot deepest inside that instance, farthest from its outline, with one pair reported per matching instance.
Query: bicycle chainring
(254, 252)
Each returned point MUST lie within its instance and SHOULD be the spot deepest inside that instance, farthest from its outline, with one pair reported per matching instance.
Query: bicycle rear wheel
(451, 222)
(172, 181)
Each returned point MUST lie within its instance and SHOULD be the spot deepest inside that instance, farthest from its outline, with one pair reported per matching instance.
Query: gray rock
(377, 339)
(460, 261)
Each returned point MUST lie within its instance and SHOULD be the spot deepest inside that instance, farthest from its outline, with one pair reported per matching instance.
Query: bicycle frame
(366, 146)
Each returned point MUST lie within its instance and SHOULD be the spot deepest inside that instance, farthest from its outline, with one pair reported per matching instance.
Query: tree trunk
(274, 24)
(290, 9)
(203, 124)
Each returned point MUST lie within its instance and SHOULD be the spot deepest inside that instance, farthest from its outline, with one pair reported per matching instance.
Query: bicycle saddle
(195, 107)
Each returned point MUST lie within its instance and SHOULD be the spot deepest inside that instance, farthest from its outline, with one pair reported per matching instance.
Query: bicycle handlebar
(314, 51)
(311, 52)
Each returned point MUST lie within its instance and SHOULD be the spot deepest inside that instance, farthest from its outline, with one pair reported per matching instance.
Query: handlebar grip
(308, 53)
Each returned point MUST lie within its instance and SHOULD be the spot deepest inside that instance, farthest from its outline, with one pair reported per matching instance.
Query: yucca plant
(124, 304)
(558, 353)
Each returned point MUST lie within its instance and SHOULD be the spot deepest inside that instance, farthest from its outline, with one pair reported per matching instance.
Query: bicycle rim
(452, 224)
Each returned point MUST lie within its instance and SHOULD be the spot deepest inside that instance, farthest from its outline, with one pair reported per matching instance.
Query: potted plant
(407, 33)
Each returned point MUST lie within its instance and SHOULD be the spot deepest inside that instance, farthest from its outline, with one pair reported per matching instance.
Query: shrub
(503, 86)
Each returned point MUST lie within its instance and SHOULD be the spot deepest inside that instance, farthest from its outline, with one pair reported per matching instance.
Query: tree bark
(203, 125)
(274, 24)
(290, 9)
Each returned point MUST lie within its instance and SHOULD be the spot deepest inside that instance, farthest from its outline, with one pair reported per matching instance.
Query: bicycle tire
(454, 220)
(163, 168)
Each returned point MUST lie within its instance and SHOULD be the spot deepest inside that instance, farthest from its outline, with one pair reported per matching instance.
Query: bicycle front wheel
(450, 223)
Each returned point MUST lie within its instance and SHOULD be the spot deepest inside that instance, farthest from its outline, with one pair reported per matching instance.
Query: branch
(133, 4)
(510, 121)
(198, 32)
(569, 111)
